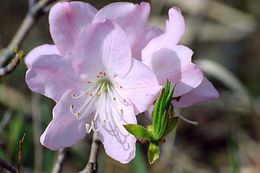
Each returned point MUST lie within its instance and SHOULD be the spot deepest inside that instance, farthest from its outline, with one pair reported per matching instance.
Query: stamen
(88, 128)
(71, 109)
(77, 115)
(187, 120)
(84, 93)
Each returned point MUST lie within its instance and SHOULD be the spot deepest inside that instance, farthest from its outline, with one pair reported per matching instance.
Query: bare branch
(60, 161)
(5, 165)
(29, 21)
(11, 66)
(92, 165)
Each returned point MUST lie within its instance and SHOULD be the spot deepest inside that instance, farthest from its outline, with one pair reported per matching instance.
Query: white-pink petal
(131, 17)
(38, 51)
(118, 143)
(205, 91)
(103, 47)
(67, 21)
(175, 28)
(140, 86)
(65, 129)
(175, 64)
(51, 75)
(142, 40)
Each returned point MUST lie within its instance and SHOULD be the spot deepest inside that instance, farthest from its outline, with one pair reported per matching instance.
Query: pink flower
(172, 61)
(91, 75)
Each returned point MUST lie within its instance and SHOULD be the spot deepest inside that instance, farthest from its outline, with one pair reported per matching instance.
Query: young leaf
(153, 153)
(160, 115)
(172, 122)
(138, 131)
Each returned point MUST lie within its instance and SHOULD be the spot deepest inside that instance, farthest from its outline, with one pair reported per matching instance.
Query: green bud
(160, 114)
(153, 153)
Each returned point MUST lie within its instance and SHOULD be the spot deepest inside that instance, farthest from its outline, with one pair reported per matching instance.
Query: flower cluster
(105, 67)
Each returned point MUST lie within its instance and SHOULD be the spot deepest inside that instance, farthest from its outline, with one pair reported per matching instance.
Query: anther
(88, 128)
(77, 115)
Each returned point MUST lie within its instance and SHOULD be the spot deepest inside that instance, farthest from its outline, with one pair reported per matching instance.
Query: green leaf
(172, 123)
(138, 131)
(160, 115)
(153, 153)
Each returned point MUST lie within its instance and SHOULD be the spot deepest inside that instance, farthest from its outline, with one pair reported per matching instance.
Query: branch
(12, 65)
(92, 165)
(29, 21)
(59, 162)
(7, 166)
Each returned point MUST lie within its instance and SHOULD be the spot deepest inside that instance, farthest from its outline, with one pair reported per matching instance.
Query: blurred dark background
(225, 36)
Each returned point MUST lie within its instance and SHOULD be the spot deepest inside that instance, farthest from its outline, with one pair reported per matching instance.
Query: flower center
(104, 85)
(101, 99)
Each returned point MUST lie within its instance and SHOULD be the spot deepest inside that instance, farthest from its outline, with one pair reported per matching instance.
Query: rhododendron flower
(172, 61)
(76, 15)
(91, 75)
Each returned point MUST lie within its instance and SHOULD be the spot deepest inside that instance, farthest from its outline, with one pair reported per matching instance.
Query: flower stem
(60, 161)
(92, 165)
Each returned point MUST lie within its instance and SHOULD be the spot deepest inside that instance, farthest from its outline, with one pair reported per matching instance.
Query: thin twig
(5, 165)
(20, 154)
(59, 162)
(11, 66)
(29, 21)
(92, 165)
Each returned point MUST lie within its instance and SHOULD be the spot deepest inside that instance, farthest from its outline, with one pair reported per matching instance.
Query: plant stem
(92, 165)
(59, 162)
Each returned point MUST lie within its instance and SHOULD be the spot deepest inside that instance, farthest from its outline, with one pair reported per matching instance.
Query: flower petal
(37, 52)
(65, 129)
(141, 42)
(175, 28)
(205, 91)
(118, 143)
(131, 17)
(103, 46)
(67, 21)
(140, 86)
(175, 64)
(50, 75)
